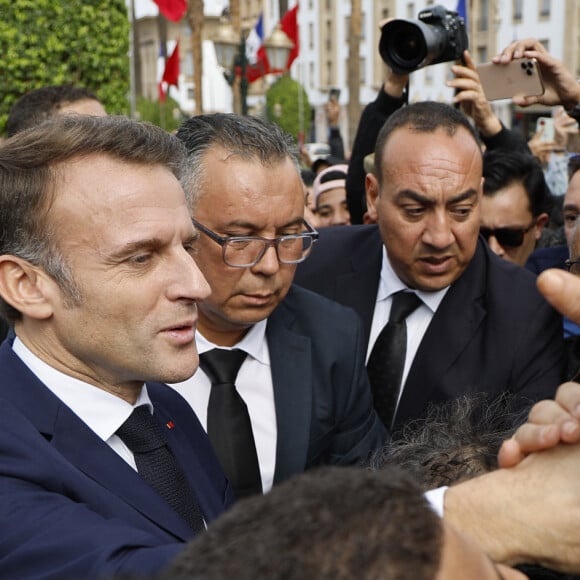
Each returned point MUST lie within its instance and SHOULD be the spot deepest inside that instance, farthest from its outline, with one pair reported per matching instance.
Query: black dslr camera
(438, 35)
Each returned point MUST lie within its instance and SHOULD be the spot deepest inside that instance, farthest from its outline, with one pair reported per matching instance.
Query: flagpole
(301, 135)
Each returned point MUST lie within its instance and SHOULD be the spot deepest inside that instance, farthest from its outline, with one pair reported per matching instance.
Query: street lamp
(230, 51)
(278, 47)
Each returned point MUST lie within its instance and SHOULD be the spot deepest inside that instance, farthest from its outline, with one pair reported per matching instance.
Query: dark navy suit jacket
(70, 507)
(324, 409)
(492, 332)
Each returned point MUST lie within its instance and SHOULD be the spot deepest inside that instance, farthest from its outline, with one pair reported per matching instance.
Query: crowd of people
(203, 378)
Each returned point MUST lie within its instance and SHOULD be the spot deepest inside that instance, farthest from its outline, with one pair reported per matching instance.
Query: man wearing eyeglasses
(302, 377)
(480, 325)
(516, 204)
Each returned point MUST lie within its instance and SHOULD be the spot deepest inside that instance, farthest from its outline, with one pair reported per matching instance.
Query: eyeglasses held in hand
(507, 237)
(247, 251)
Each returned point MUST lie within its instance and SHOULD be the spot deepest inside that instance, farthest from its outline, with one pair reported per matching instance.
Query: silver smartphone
(517, 78)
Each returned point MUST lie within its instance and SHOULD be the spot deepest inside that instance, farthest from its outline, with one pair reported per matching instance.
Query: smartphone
(545, 128)
(517, 78)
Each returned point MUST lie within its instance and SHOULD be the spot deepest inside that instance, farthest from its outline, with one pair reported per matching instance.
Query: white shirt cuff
(436, 498)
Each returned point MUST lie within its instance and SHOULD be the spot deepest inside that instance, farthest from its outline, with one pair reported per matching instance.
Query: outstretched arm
(551, 421)
(561, 86)
(517, 516)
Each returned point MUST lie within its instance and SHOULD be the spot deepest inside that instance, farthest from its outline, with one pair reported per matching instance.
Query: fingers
(550, 422)
(468, 60)
(529, 438)
(562, 290)
(518, 49)
(509, 454)
(525, 101)
(568, 397)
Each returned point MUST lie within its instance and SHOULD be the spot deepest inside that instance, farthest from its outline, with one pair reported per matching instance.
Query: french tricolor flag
(255, 40)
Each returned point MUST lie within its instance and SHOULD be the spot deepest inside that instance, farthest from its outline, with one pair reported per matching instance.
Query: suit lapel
(290, 359)
(358, 288)
(457, 319)
(81, 446)
(95, 459)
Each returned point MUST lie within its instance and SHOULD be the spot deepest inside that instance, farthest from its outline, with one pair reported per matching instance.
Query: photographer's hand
(561, 88)
(564, 127)
(471, 98)
(395, 84)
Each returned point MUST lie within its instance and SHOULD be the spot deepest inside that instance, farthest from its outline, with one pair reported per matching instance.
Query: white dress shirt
(101, 411)
(417, 322)
(254, 384)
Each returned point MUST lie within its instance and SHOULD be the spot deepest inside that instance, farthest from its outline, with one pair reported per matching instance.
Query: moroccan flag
(171, 72)
(289, 24)
(172, 9)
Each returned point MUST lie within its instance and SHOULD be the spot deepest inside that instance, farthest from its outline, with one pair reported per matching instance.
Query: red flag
(289, 24)
(162, 95)
(260, 69)
(171, 72)
(172, 9)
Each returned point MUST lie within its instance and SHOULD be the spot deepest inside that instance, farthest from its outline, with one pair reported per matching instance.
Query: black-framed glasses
(247, 251)
(572, 266)
(507, 237)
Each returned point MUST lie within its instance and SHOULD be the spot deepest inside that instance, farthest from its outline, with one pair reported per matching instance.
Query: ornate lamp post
(278, 47)
(230, 48)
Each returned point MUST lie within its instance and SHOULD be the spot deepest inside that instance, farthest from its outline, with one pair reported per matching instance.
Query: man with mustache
(479, 325)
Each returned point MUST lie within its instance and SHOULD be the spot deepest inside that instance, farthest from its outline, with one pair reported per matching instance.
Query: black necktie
(157, 465)
(228, 423)
(387, 360)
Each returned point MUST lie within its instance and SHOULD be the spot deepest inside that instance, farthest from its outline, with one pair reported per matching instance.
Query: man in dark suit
(481, 325)
(303, 379)
(97, 279)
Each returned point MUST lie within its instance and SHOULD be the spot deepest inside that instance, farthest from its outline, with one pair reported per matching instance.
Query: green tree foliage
(283, 104)
(53, 42)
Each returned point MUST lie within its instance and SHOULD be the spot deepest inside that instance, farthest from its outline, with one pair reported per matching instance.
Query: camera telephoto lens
(438, 35)
(407, 47)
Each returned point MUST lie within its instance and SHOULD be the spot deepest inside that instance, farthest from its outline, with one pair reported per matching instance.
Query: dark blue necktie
(228, 422)
(157, 465)
(387, 361)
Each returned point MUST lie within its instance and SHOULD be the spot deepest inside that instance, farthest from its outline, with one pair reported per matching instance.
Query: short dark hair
(248, 138)
(30, 164)
(457, 440)
(38, 105)
(502, 168)
(573, 165)
(331, 523)
(421, 117)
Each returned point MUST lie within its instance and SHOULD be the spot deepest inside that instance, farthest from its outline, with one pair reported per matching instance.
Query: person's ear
(372, 191)
(541, 222)
(25, 287)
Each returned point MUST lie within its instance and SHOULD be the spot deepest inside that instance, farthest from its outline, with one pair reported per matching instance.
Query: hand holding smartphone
(545, 129)
(519, 77)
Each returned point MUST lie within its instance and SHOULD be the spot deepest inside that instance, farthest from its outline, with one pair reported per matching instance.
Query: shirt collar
(254, 343)
(390, 284)
(102, 411)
